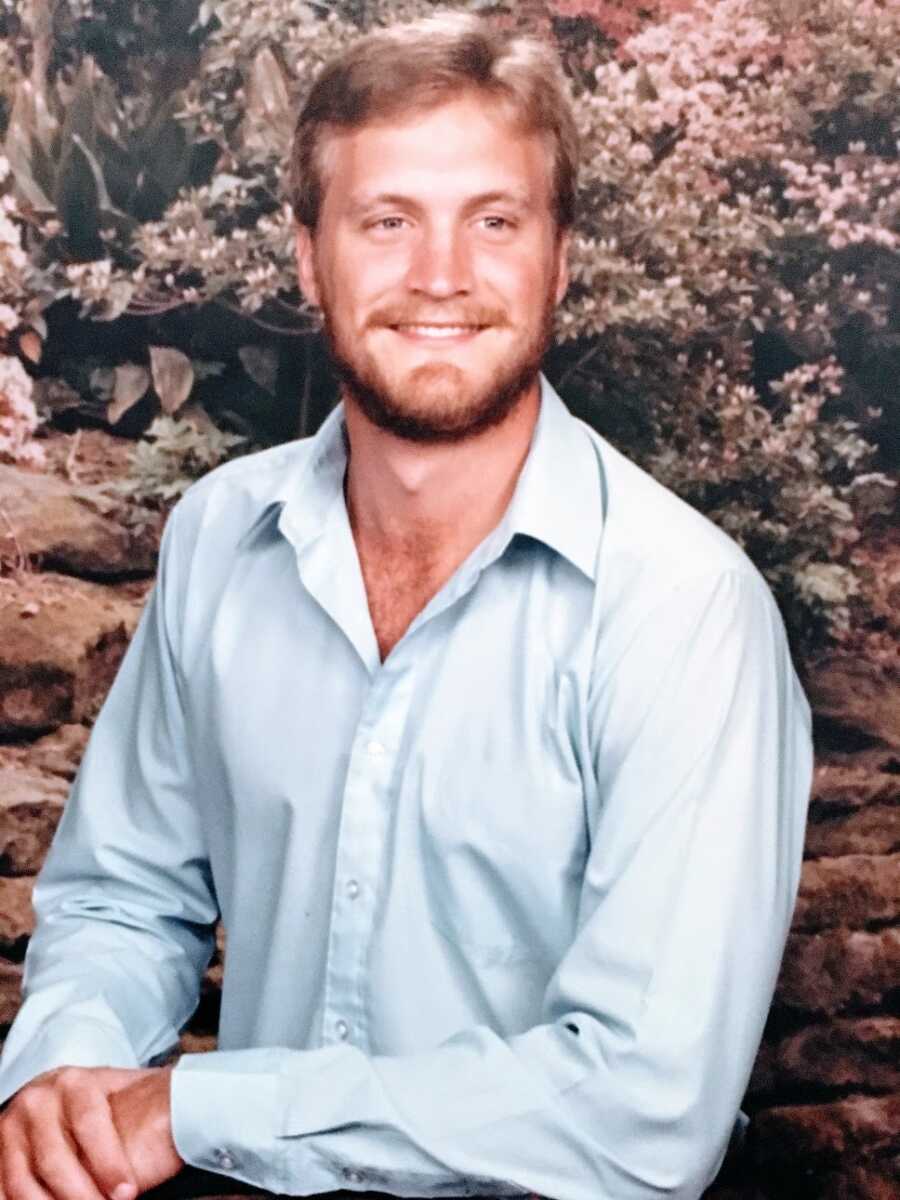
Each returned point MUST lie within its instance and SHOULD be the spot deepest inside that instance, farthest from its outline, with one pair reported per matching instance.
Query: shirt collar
(557, 499)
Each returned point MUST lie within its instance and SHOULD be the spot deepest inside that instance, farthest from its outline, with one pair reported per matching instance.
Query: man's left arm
(630, 1085)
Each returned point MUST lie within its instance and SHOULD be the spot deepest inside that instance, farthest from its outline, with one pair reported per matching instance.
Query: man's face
(437, 267)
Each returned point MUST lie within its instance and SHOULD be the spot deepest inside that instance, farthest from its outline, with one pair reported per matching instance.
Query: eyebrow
(518, 199)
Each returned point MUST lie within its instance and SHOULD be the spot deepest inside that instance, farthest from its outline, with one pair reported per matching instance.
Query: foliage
(619, 19)
(172, 455)
(732, 317)
(742, 167)
(18, 415)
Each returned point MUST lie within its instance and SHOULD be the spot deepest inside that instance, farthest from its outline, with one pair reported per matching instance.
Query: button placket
(360, 852)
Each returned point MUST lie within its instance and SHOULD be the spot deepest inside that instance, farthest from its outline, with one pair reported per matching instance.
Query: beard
(436, 402)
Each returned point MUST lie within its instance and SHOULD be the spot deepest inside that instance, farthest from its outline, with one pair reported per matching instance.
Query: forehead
(445, 154)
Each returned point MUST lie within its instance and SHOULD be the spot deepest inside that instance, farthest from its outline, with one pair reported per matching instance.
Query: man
(487, 749)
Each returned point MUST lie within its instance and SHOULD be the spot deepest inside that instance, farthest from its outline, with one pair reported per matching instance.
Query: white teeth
(438, 331)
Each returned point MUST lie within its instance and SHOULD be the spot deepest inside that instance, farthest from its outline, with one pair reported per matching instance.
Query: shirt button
(225, 1160)
(353, 1176)
(342, 1029)
(352, 889)
(375, 749)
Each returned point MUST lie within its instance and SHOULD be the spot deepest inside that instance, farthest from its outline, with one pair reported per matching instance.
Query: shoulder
(229, 500)
(655, 545)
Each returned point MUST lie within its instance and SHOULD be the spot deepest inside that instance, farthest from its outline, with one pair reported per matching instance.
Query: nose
(441, 263)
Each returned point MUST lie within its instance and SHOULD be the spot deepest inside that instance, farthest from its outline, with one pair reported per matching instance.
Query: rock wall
(824, 1096)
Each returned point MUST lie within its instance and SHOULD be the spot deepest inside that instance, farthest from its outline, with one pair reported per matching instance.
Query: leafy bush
(738, 257)
(18, 415)
(732, 318)
(172, 455)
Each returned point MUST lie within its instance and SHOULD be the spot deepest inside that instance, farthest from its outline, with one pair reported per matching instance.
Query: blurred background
(732, 326)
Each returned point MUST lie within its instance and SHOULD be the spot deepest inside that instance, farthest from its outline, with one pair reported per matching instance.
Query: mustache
(398, 316)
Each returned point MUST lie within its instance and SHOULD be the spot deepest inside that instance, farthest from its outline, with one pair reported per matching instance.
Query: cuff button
(225, 1160)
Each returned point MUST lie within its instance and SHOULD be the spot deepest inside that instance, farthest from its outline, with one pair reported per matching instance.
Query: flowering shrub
(18, 416)
(730, 319)
(740, 230)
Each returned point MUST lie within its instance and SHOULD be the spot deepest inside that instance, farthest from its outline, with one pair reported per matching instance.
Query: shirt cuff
(71, 1040)
(225, 1114)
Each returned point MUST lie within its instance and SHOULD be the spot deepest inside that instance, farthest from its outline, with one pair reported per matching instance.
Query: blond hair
(405, 69)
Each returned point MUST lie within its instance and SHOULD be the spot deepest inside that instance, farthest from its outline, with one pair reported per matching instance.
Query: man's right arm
(125, 907)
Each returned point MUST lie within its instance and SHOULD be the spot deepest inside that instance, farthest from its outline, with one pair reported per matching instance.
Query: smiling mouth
(427, 332)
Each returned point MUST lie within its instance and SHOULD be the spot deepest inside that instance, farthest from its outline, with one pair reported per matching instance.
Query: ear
(306, 269)
(562, 278)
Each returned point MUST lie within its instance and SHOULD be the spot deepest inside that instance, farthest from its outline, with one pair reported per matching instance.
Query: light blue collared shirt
(504, 912)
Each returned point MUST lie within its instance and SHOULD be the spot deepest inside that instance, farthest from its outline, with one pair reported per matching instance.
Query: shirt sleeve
(124, 904)
(629, 1086)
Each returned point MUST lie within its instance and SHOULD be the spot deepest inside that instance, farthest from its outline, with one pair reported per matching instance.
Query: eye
(498, 224)
(384, 223)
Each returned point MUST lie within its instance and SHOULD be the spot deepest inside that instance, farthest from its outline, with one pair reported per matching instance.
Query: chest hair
(399, 584)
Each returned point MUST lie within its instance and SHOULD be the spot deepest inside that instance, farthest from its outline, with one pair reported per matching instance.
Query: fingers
(58, 1142)
(16, 1177)
(91, 1124)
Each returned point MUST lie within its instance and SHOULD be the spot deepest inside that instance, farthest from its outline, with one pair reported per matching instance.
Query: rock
(876, 1181)
(852, 891)
(846, 782)
(197, 1043)
(856, 694)
(60, 752)
(16, 916)
(874, 829)
(44, 520)
(872, 1179)
(31, 803)
(61, 642)
(827, 973)
(861, 1052)
(35, 778)
(10, 991)
(820, 1134)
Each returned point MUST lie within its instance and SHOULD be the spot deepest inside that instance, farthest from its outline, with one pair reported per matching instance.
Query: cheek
(368, 280)
(519, 279)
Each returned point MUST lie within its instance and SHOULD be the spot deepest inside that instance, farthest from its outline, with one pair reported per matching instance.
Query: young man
(487, 749)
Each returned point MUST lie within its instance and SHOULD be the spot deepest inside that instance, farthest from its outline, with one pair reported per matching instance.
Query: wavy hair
(404, 69)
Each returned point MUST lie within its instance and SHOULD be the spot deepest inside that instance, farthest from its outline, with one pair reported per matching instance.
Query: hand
(142, 1114)
(58, 1138)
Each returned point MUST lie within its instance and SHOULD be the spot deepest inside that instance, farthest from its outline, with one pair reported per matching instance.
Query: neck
(439, 499)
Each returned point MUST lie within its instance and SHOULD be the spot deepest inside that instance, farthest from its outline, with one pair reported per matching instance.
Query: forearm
(570, 1115)
(124, 905)
(99, 993)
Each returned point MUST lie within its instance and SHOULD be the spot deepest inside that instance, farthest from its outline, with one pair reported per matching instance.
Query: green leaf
(118, 297)
(261, 364)
(19, 150)
(268, 94)
(173, 376)
(131, 383)
(79, 106)
(163, 154)
(79, 193)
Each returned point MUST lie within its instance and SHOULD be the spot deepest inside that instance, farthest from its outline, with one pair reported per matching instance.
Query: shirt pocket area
(502, 870)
